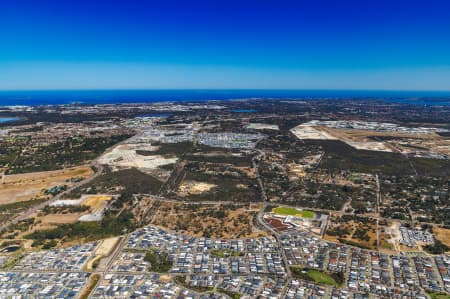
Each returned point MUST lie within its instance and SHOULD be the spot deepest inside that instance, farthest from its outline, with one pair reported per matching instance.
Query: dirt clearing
(192, 187)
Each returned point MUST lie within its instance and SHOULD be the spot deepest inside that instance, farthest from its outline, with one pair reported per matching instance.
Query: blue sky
(392, 45)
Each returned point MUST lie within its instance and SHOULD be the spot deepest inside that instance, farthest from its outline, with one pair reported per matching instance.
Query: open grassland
(23, 187)
(442, 234)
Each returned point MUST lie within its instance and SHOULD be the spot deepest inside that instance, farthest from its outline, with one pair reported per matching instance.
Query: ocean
(8, 119)
(31, 98)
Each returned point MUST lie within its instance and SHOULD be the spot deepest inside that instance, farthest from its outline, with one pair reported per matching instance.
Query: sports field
(293, 212)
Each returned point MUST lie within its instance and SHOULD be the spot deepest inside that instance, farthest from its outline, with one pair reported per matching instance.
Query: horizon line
(226, 89)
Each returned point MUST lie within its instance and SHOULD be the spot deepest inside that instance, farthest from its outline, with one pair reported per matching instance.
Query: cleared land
(23, 187)
(403, 142)
(104, 249)
(262, 126)
(96, 202)
(192, 187)
(309, 132)
(127, 156)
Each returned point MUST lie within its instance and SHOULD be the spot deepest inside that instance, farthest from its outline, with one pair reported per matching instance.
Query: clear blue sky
(315, 44)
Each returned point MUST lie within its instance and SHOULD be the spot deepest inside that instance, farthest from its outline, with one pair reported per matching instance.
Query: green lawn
(321, 277)
(332, 279)
(435, 295)
(307, 214)
(293, 212)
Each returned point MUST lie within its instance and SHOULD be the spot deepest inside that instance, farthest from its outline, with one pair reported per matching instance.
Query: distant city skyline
(341, 45)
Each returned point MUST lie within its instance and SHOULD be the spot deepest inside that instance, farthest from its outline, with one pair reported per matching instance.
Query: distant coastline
(8, 119)
(62, 97)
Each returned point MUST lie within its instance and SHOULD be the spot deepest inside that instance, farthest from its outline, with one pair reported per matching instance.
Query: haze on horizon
(385, 45)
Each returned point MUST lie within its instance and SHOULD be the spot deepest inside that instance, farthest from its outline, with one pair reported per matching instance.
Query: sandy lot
(192, 187)
(23, 187)
(308, 132)
(96, 202)
(60, 218)
(261, 126)
(106, 247)
(125, 156)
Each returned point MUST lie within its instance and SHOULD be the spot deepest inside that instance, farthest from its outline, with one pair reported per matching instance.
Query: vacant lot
(352, 230)
(23, 187)
(187, 188)
(96, 202)
(217, 221)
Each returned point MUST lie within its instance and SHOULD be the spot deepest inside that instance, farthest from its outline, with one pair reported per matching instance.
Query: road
(259, 157)
(378, 209)
(262, 210)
